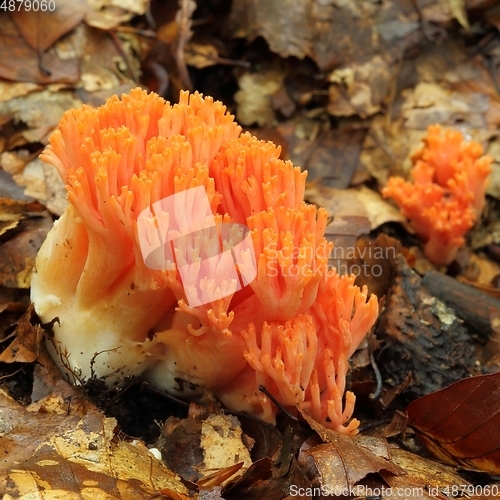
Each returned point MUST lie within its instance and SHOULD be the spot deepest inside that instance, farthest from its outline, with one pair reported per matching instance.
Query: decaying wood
(421, 336)
(473, 306)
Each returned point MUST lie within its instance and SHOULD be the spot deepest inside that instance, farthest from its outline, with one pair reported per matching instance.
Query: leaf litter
(350, 96)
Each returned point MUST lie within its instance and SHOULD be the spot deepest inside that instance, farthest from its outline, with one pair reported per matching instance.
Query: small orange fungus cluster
(291, 329)
(447, 194)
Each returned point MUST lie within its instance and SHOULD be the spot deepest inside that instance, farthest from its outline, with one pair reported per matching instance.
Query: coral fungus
(187, 254)
(447, 194)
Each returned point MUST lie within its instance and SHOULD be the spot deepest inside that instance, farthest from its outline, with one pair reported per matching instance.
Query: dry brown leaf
(26, 345)
(138, 7)
(254, 97)
(107, 17)
(42, 28)
(259, 482)
(9, 90)
(283, 23)
(460, 424)
(108, 14)
(13, 211)
(179, 444)
(18, 253)
(430, 103)
(360, 89)
(221, 444)
(344, 460)
(361, 201)
(332, 34)
(493, 188)
(39, 180)
(20, 62)
(373, 263)
(428, 480)
(459, 10)
(201, 55)
(40, 111)
(329, 155)
(220, 477)
(65, 446)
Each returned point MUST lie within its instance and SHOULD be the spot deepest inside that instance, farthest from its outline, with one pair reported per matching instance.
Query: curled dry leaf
(254, 97)
(361, 201)
(426, 479)
(26, 345)
(330, 155)
(42, 28)
(21, 62)
(342, 461)
(63, 446)
(201, 55)
(17, 255)
(461, 423)
(180, 447)
(222, 445)
(197, 449)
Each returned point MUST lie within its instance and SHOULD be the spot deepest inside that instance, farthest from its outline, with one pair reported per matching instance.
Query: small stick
(374, 396)
(277, 403)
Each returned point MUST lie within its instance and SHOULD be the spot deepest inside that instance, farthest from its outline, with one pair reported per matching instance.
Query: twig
(374, 396)
(184, 24)
(277, 403)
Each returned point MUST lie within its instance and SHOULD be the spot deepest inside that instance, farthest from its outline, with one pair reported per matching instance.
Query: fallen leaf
(9, 90)
(108, 14)
(9, 189)
(13, 211)
(360, 89)
(138, 7)
(42, 28)
(332, 34)
(460, 424)
(201, 55)
(397, 426)
(18, 253)
(428, 479)
(373, 262)
(260, 482)
(63, 446)
(220, 477)
(362, 202)
(40, 111)
(430, 103)
(26, 345)
(20, 62)
(107, 17)
(459, 11)
(221, 444)
(180, 447)
(330, 156)
(493, 150)
(254, 97)
(343, 460)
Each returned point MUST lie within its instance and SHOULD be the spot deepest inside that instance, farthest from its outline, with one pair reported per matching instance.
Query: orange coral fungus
(188, 254)
(447, 194)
